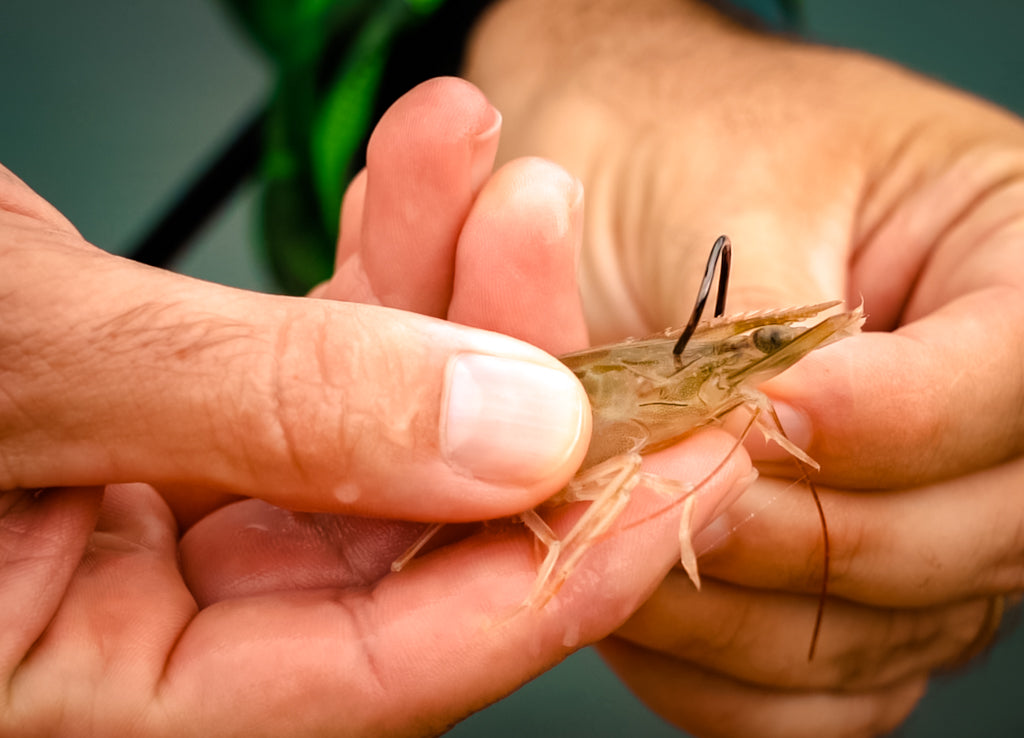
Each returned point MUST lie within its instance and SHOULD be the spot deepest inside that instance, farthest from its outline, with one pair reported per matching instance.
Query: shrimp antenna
(720, 251)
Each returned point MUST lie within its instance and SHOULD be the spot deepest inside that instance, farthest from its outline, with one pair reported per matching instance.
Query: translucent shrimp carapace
(648, 393)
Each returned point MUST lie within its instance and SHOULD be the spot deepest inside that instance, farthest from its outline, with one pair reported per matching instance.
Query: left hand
(428, 228)
(259, 620)
(835, 175)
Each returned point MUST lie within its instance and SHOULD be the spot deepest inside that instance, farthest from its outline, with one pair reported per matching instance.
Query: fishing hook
(721, 250)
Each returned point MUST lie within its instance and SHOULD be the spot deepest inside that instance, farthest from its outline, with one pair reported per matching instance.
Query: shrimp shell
(645, 398)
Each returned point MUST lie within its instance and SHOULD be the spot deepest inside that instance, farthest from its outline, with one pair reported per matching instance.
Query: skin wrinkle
(355, 427)
(893, 199)
(878, 202)
(1001, 447)
(851, 668)
(847, 544)
(638, 266)
(38, 354)
(48, 227)
(943, 239)
(130, 548)
(1006, 571)
(280, 381)
(352, 561)
(633, 229)
(162, 684)
(9, 406)
(668, 280)
(345, 609)
(42, 535)
(990, 276)
(321, 339)
(331, 383)
(142, 318)
(603, 256)
(893, 639)
(242, 393)
(1017, 422)
(32, 546)
(399, 431)
(362, 439)
(144, 327)
(738, 626)
(906, 209)
(355, 611)
(1014, 565)
(915, 635)
(631, 232)
(965, 621)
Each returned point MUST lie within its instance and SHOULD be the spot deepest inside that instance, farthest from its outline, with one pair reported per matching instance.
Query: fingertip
(426, 160)
(350, 232)
(870, 409)
(517, 257)
(463, 105)
(489, 427)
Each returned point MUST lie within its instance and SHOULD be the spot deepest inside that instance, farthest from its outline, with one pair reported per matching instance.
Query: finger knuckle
(852, 541)
(1004, 572)
(297, 385)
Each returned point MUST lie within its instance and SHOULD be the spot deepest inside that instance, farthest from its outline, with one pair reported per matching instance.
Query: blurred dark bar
(203, 197)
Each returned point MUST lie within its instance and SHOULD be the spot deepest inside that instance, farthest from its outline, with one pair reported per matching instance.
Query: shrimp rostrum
(646, 394)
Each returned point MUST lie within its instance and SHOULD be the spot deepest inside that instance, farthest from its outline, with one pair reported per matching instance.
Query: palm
(311, 636)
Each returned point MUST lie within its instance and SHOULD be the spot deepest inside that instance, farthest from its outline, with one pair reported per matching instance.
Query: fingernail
(509, 421)
(490, 124)
(795, 424)
(484, 149)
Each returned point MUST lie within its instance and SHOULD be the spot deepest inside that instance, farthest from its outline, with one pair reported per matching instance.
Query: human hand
(427, 228)
(117, 372)
(261, 620)
(835, 175)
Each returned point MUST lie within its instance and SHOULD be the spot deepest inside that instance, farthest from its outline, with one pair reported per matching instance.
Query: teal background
(108, 106)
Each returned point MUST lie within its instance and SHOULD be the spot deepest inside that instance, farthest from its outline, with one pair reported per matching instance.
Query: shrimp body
(646, 394)
(645, 398)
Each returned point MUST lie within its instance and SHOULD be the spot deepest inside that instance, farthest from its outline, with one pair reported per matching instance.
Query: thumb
(116, 372)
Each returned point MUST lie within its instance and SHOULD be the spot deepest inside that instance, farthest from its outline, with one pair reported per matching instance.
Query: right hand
(836, 175)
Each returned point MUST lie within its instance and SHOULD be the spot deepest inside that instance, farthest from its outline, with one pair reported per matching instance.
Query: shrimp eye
(770, 338)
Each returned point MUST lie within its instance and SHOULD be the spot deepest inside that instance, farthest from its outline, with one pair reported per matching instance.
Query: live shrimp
(647, 394)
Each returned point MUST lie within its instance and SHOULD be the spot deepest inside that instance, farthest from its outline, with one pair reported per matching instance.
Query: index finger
(932, 400)
(929, 545)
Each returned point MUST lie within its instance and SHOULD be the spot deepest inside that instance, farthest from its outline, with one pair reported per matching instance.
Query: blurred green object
(329, 56)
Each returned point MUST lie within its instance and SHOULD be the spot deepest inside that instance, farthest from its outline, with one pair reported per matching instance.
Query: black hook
(722, 249)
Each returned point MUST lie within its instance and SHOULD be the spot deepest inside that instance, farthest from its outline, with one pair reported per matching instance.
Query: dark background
(107, 107)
